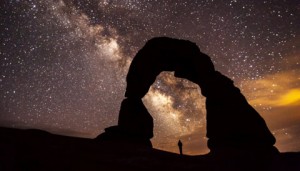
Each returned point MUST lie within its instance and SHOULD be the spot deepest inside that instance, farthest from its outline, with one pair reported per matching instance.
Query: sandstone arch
(231, 121)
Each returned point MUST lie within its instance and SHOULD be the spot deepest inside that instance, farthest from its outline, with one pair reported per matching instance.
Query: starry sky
(64, 63)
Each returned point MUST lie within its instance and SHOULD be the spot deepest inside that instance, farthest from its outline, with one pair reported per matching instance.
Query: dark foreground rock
(42, 151)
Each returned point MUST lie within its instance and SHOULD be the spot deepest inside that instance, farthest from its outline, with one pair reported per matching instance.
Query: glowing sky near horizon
(64, 63)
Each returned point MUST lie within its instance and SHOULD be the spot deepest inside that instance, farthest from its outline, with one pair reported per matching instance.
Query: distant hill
(37, 150)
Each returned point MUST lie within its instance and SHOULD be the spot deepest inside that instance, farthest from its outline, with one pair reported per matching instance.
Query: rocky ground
(40, 150)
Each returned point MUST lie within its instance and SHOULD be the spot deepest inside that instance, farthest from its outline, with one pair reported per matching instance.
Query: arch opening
(178, 111)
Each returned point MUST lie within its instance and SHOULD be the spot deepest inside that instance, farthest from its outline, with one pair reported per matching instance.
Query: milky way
(64, 63)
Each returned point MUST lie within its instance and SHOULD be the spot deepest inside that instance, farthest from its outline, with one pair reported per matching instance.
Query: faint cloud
(275, 90)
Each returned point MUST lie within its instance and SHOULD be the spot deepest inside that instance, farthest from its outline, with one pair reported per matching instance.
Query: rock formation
(231, 122)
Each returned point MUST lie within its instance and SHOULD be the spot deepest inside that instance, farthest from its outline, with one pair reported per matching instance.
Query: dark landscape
(39, 150)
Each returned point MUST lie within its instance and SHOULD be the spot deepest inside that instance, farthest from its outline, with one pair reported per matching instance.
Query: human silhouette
(180, 147)
(232, 123)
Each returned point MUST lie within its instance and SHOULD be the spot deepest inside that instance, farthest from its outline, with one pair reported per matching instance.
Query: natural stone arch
(231, 121)
(158, 55)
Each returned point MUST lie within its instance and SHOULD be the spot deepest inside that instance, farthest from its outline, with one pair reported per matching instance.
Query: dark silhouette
(180, 147)
(165, 54)
(135, 124)
(159, 54)
(231, 122)
(37, 150)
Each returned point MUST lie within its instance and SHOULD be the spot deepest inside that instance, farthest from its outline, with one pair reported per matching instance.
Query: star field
(64, 63)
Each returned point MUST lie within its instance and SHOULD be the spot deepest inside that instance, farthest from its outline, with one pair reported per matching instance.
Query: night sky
(64, 63)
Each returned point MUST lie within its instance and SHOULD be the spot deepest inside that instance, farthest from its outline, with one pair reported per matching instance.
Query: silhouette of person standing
(180, 147)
